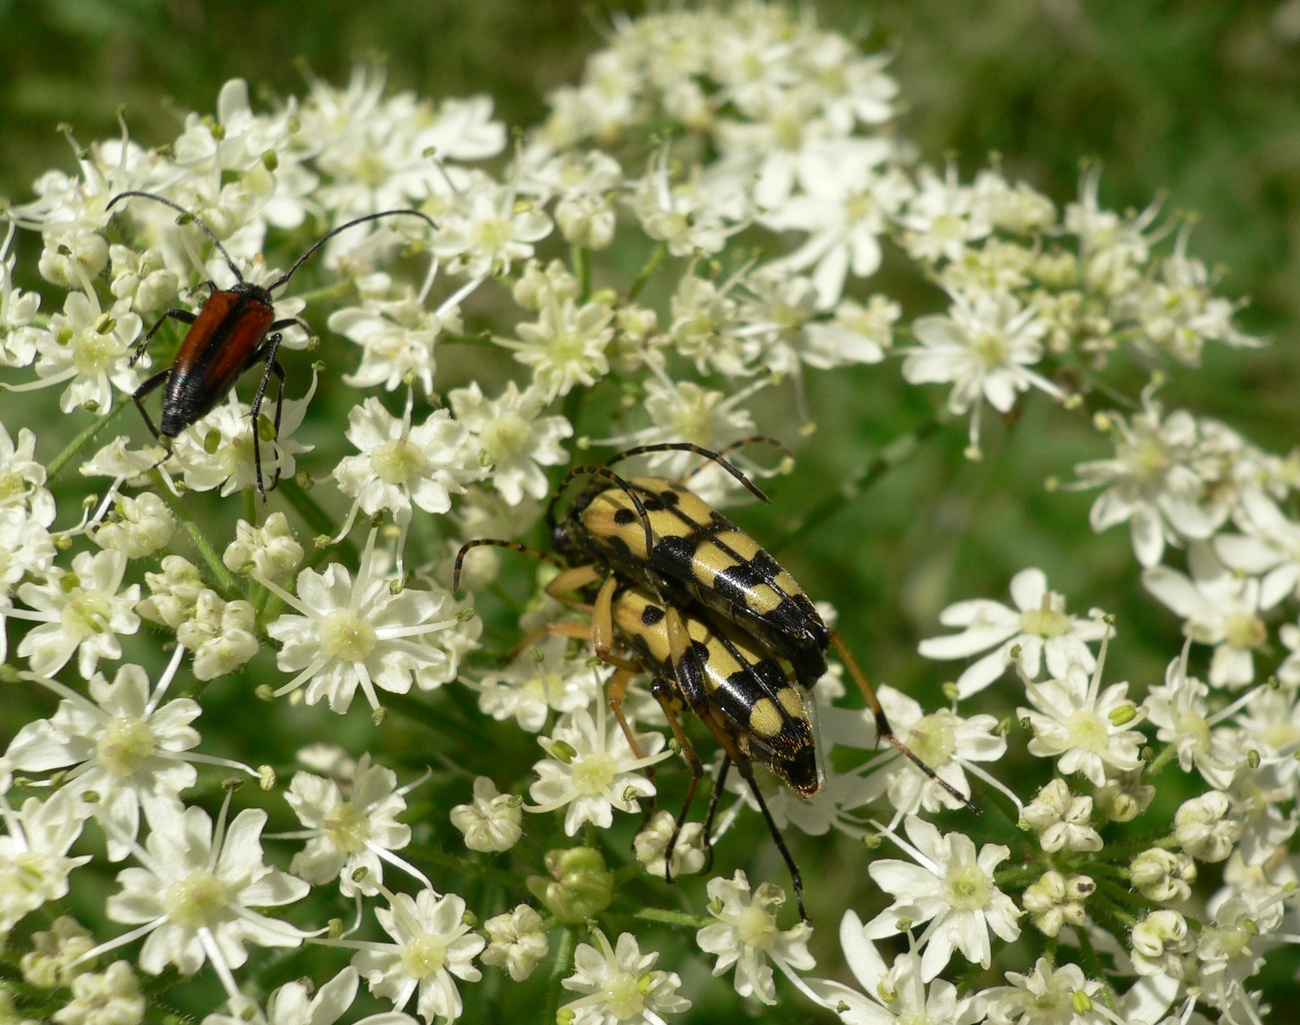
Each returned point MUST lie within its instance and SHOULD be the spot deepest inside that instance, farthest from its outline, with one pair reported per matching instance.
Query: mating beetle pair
(235, 330)
(708, 614)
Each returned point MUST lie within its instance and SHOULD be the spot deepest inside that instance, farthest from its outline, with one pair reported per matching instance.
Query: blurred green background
(1195, 101)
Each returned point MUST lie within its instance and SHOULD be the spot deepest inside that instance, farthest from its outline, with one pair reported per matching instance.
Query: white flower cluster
(689, 128)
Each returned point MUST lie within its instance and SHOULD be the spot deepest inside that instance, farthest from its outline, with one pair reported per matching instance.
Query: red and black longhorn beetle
(226, 337)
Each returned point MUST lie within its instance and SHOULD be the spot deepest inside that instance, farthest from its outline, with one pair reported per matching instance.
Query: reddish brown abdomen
(216, 350)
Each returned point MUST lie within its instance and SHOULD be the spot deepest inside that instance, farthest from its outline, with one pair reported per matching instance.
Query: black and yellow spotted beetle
(735, 686)
(662, 536)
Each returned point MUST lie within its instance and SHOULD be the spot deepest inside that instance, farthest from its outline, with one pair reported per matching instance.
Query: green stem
(559, 969)
(893, 454)
(651, 265)
(1092, 966)
(483, 338)
(81, 440)
(228, 583)
(672, 918)
(1161, 760)
(582, 270)
(474, 869)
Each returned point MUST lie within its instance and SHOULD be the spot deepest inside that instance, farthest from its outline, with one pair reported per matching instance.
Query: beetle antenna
(188, 216)
(283, 278)
(514, 546)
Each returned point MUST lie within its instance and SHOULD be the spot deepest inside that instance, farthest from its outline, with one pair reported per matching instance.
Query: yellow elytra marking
(764, 719)
(740, 543)
(722, 663)
(792, 703)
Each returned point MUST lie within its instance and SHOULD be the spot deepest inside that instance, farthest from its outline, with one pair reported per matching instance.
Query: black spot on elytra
(652, 615)
(676, 553)
(728, 589)
(625, 516)
(669, 499)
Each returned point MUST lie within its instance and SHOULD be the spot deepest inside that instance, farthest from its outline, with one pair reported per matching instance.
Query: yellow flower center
(124, 745)
(347, 827)
(967, 887)
(195, 900)
(345, 635)
(397, 461)
(423, 956)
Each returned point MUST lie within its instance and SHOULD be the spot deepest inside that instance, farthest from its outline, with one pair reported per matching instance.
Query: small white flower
(1056, 995)
(397, 332)
(349, 837)
(856, 334)
(1057, 900)
(1204, 827)
(621, 985)
(433, 942)
(222, 635)
(538, 681)
(1152, 481)
(1158, 943)
(491, 231)
(746, 936)
(1086, 728)
(1269, 548)
(1162, 875)
(91, 350)
(651, 846)
(22, 476)
(195, 895)
(400, 466)
(1063, 821)
(124, 744)
(138, 526)
(294, 1004)
(518, 941)
(270, 549)
(952, 889)
(493, 821)
(891, 996)
(513, 440)
(984, 347)
(218, 450)
(593, 770)
(81, 613)
(356, 635)
(1180, 711)
(566, 346)
(943, 740)
(1039, 626)
(55, 957)
(1219, 608)
(850, 197)
(942, 217)
(112, 997)
(34, 862)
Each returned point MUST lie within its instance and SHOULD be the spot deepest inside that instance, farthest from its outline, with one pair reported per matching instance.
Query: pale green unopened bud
(580, 886)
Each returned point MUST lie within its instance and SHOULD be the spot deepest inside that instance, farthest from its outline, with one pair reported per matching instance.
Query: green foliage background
(1195, 101)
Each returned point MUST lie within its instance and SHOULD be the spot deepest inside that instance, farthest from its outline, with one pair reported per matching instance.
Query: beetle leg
(138, 396)
(883, 729)
(742, 761)
(602, 625)
(266, 352)
(719, 786)
(184, 316)
(615, 692)
(665, 695)
(568, 582)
